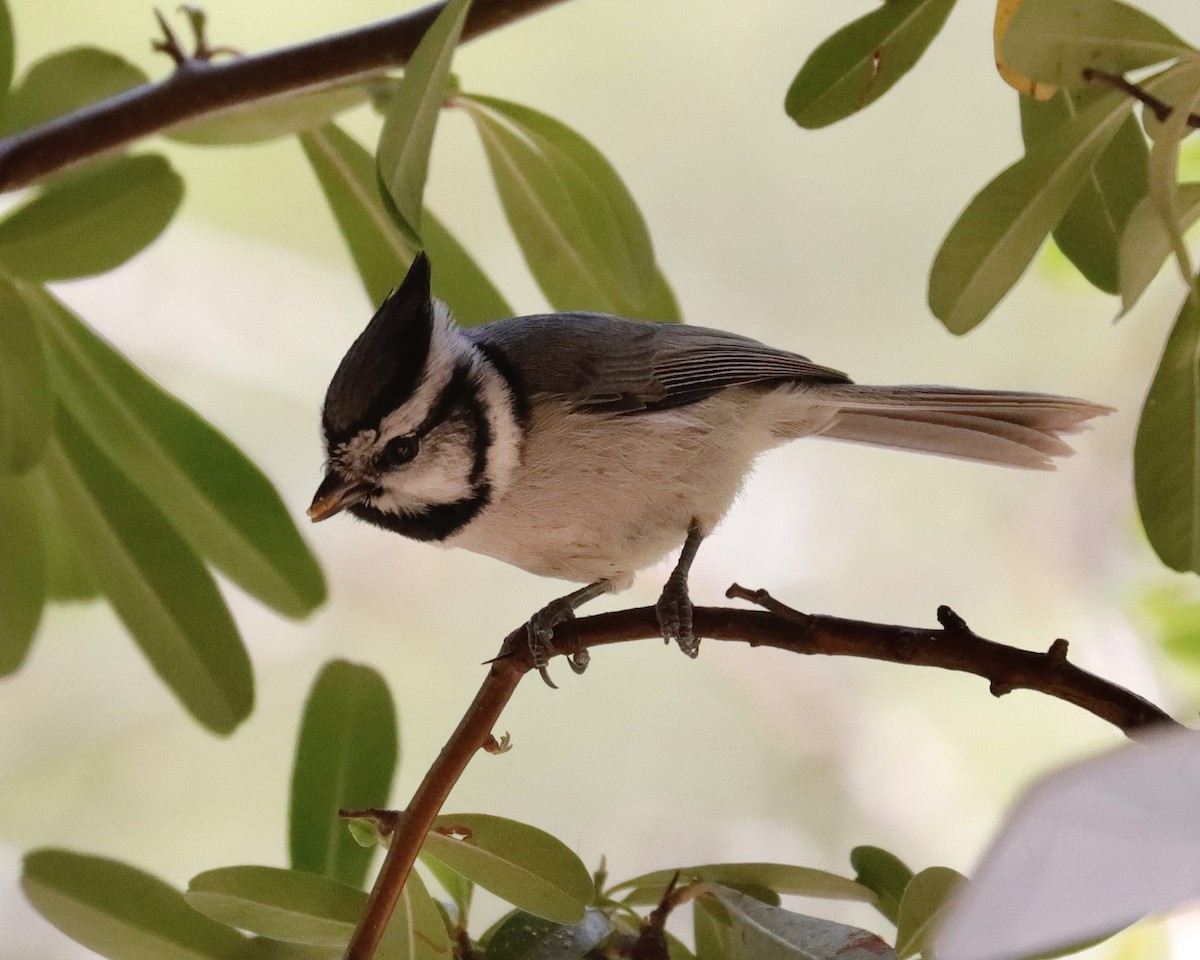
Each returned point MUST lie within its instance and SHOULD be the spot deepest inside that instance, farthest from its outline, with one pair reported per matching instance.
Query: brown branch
(200, 87)
(953, 647)
(1161, 109)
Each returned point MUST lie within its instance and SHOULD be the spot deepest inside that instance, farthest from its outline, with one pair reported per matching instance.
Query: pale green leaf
(157, 586)
(91, 221)
(777, 877)
(772, 933)
(714, 932)
(925, 897)
(287, 905)
(258, 121)
(520, 864)
(22, 570)
(1163, 165)
(345, 758)
(382, 254)
(885, 874)
(406, 139)
(1056, 40)
(615, 239)
(120, 912)
(67, 80)
(1146, 243)
(1090, 231)
(26, 399)
(214, 496)
(459, 889)
(66, 576)
(861, 62)
(6, 51)
(1166, 453)
(525, 937)
(417, 930)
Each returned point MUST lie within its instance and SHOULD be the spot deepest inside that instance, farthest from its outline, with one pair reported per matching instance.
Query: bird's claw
(674, 611)
(541, 638)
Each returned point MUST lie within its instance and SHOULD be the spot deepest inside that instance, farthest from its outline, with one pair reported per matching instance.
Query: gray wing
(604, 362)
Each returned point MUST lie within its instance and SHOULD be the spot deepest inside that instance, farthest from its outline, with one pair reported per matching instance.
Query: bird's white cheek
(440, 474)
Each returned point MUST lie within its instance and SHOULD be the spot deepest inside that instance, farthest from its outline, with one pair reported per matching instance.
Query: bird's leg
(542, 624)
(674, 607)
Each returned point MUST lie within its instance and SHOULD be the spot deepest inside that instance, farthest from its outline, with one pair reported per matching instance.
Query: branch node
(952, 623)
(999, 688)
(496, 747)
(169, 44)
(1058, 651)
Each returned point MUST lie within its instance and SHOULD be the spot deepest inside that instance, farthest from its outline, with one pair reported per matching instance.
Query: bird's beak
(335, 494)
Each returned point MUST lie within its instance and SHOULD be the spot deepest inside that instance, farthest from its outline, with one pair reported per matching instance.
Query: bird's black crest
(383, 366)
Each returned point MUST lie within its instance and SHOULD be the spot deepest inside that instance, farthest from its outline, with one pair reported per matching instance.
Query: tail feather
(1002, 427)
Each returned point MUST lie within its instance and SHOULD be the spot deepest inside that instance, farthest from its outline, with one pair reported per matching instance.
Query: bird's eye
(399, 450)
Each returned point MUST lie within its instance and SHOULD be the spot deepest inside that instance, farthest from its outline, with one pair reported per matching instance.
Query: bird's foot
(540, 632)
(674, 610)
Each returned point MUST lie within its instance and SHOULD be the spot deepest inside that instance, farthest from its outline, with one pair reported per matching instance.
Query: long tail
(989, 426)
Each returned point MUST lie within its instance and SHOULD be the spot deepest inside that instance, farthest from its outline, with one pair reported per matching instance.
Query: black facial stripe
(433, 523)
(518, 395)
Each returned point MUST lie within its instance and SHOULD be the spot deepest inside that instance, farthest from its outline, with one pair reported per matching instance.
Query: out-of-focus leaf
(1089, 233)
(417, 930)
(996, 237)
(262, 120)
(66, 578)
(885, 874)
(67, 80)
(1014, 78)
(215, 497)
(926, 896)
(578, 226)
(1056, 40)
(772, 933)
(526, 937)
(859, 63)
(520, 864)
(282, 904)
(6, 51)
(778, 877)
(345, 758)
(120, 912)
(407, 135)
(264, 948)
(1146, 243)
(157, 586)
(26, 400)
(382, 254)
(22, 570)
(1166, 453)
(92, 221)
(1163, 165)
(460, 890)
(715, 935)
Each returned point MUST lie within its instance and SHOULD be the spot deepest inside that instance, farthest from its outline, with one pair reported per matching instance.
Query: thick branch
(953, 647)
(200, 87)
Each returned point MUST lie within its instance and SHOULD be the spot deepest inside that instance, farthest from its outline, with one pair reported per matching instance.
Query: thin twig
(202, 87)
(952, 647)
(1159, 108)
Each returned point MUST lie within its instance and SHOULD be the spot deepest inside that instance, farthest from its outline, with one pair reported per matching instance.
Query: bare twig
(1159, 108)
(202, 87)
(952, 647)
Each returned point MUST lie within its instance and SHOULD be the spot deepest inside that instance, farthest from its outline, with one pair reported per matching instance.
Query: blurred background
(814, 241)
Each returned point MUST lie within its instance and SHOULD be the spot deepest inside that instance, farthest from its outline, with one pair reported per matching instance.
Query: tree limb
(200, 87)
(953, 647)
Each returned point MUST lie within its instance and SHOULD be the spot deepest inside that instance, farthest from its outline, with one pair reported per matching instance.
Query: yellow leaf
(1014, 78)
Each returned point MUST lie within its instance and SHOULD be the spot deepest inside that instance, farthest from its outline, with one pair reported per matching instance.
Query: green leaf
(779, 877)
(92, 221)
(460, 890)
(157, 586)
(772, 933)
(1166, 453)
(858, 64)
(22, 570)
(1146, 244)
(66, 577)
(1056, 40)
(885, 874)
(7, 55)
(258, 121)
(215, 497)
(345, 758)
(926, 896)
(579, 227)
(407, 135)
(520, 864)
(282, 904)
(996, 237)
(525, 937)
(65, 81)
(26, 400)
(121, 912)
(346, 172)
(715, 935)
(417, 930)
(1163, 164)
(1089, 234)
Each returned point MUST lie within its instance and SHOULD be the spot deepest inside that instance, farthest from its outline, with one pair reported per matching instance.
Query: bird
(586, 447)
